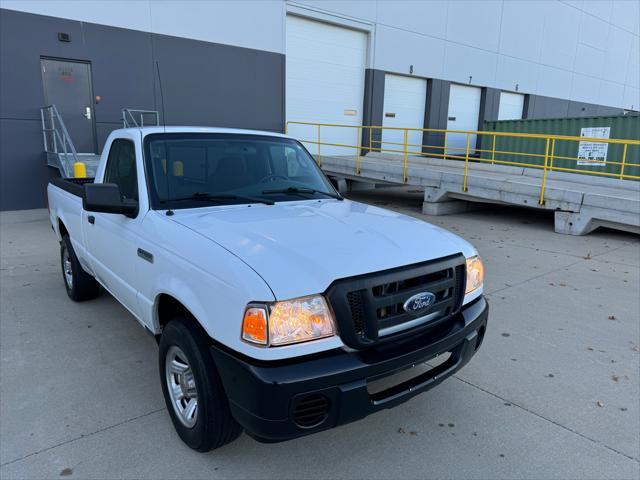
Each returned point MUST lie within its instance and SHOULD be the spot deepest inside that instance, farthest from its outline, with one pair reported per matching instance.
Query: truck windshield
(187, 170)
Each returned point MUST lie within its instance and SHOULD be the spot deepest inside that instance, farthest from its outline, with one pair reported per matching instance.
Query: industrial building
(447, 64)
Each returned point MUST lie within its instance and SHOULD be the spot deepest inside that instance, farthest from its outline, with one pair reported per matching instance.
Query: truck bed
(74, 186)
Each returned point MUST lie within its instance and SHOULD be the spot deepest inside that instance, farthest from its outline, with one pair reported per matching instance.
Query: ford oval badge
(419, 302)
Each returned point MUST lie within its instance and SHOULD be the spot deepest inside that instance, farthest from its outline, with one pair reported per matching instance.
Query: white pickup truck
(279, 306)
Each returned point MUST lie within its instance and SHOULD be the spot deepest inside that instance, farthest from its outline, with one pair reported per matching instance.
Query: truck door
(110, 237)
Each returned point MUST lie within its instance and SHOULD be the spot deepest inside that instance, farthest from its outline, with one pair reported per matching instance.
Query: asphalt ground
(553, 392)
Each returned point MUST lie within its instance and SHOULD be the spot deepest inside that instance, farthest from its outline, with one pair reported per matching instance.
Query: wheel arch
(62, 229)
(168, 307)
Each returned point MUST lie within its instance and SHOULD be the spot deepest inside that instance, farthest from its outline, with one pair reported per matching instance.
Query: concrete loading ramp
(581, 203)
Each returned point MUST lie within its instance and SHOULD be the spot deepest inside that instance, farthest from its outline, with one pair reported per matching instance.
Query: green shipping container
(532, 149)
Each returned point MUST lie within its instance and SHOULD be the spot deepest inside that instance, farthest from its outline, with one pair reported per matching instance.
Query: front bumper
(265, 397)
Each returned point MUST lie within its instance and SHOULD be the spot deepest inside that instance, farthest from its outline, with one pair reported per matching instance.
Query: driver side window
(121, 168)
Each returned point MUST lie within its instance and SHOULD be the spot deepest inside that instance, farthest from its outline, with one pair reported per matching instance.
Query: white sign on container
(593, 153)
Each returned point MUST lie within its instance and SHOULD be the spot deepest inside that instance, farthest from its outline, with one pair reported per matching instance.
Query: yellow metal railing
(549, 146)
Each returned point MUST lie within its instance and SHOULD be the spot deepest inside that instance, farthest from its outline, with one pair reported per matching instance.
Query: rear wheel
(79, 284)
(192, 388)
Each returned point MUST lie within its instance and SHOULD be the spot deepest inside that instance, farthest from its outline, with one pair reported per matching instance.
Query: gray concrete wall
(204, 83)
(435, 115)
(373, 108)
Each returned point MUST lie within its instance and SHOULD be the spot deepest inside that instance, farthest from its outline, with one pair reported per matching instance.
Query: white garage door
(404, 101)
(325, 67)
(511, 106)
(464, 112)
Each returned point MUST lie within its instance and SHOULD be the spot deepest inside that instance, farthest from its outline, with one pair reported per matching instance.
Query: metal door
(464, 113)
(67, 85)
(404, 103)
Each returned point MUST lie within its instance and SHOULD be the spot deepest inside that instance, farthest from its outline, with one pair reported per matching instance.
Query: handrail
(57, 131)
(475, 132)
(129, 117)
(471, 153)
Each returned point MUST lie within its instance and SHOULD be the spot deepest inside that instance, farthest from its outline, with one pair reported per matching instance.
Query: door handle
(87, 113)
(91, 219)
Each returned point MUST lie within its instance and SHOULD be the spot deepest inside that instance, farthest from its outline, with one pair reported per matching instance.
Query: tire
(79, 284)
(212, 425)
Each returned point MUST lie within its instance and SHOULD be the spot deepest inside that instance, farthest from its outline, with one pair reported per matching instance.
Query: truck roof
(193, 129)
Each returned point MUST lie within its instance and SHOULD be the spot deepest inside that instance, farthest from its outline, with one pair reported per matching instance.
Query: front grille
(370, 308)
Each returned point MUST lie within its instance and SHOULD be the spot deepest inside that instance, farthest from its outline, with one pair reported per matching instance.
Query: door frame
(94, 130)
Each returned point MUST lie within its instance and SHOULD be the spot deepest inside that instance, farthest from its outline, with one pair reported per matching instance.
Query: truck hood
(300, 248)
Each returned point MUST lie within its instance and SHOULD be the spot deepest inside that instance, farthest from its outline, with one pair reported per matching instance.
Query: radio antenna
(164, 124)
(164, 119)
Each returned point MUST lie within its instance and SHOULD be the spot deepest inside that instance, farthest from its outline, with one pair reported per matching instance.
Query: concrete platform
(81, 398)
(581, 203)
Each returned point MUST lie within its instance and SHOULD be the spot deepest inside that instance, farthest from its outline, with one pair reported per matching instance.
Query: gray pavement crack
(71, 440)
(542, 417)
(542, 274)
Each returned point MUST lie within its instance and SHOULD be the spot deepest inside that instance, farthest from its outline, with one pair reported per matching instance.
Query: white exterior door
(464, 113)
(511, 106)
(404, 103)
(325, 67)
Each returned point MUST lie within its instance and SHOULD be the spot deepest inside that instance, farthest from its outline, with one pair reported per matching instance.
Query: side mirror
(106, 198)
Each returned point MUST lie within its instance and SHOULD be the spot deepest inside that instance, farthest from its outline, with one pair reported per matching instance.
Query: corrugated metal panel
(622, 127)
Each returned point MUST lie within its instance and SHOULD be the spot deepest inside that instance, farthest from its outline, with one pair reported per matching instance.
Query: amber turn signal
(254, 325)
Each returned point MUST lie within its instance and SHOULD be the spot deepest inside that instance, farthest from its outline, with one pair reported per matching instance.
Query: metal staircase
(60, 151)
(59, 148)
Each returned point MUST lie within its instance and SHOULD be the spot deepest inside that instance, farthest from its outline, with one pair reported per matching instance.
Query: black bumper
(268, 398)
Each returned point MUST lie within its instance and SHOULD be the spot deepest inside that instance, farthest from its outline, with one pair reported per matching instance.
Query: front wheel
(192, 388)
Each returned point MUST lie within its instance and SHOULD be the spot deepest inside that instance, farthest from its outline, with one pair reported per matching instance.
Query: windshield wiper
(218, 197)
(297, 191)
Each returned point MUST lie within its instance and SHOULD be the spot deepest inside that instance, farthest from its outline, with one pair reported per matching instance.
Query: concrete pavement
(553, 393)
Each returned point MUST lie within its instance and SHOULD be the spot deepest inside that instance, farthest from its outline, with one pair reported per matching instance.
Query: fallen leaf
(611, 317)
(401, 430)
(66, 472)
(615, 378)
(413, 432)
(600, 403)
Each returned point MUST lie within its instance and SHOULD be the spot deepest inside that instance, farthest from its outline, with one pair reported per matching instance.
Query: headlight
(475, 274)
(292, 321)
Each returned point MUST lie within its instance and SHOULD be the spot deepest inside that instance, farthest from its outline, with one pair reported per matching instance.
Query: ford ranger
(279, 306)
